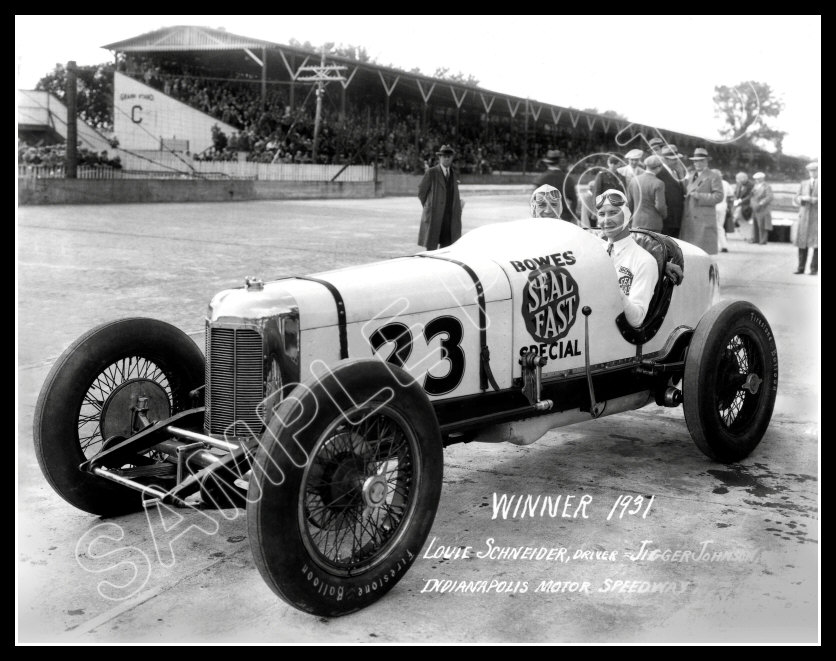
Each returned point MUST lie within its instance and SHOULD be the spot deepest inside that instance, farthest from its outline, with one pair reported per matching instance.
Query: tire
(386, 520)
(731, 380)
(86, 399)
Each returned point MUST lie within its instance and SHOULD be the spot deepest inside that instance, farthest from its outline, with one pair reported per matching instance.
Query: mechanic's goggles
(613, 197)
(547, 197)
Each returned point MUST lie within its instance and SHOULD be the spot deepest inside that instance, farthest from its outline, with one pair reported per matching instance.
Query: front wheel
(345, 487)
(731, 380)
(85, 405)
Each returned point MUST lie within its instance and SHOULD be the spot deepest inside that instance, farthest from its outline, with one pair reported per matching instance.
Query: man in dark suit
(556, 176)
(675, 164)
(674, 193)
(441, 218)
(610, 178)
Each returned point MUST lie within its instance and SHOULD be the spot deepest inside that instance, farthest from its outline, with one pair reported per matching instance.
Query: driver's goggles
(615, 198)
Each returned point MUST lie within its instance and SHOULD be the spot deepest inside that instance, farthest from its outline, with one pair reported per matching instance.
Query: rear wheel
(731, 380)
(85, 406)
(344, 495)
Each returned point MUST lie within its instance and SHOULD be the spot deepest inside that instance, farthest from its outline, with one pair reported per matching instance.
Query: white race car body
(423, 311)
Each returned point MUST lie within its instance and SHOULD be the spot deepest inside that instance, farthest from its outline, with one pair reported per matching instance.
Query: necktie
(696, 174)
(609, 249)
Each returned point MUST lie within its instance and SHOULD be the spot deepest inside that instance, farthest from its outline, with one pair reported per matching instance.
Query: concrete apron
(760, 516)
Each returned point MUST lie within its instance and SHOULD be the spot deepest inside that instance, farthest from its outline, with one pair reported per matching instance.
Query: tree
(744, 109)
(358, 53)
(606, 113)
(348, 51)
(298, 44)
(444, 74)
(94, 100)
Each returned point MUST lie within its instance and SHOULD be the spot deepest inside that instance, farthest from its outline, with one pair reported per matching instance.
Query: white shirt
(638, 274)
(445, 171)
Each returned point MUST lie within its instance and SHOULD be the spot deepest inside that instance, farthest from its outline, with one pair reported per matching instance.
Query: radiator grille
(234, 381)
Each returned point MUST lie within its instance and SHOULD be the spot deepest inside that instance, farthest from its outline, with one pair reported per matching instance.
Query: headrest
(654, 246)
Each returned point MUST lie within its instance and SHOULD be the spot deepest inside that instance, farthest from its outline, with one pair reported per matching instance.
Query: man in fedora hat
(441, 218)
(674, 164)
(806, 228)
(556, 176)
(704, 190)
(656, 146)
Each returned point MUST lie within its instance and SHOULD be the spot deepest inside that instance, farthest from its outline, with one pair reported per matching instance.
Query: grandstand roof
(187, 38)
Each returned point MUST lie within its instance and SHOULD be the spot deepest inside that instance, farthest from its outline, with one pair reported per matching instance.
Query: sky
(656, 70)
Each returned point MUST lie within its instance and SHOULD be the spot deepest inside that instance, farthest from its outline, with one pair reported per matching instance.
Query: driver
(637, 270)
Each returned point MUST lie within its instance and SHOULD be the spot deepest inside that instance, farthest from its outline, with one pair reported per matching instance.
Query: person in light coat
(703, 192)
(806, 229)
(761, 209)
(722, 209)
(646, 197)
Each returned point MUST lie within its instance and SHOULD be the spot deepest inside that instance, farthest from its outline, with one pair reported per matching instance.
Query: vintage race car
(323, 402)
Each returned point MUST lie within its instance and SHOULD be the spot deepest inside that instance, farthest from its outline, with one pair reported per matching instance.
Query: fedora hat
(445, 150)
(655, 142)
(553, 156)
(699, 155)
(670, 152)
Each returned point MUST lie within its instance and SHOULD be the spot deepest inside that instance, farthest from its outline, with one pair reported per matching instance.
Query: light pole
(320, 75)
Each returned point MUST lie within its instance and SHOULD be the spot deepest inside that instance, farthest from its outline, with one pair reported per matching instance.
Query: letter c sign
(134, 113)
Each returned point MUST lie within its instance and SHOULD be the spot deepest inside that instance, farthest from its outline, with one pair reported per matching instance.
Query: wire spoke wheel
(358, 490)
(741, 371)
(730, 381)
(89, 400)
(105, 407)
(343, 494)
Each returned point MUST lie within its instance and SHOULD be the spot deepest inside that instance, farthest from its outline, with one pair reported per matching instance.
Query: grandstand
(255, 89)
(192, 100)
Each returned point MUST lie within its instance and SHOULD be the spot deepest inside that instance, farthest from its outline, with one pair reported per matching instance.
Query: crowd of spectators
(270, 131)
(55, 155)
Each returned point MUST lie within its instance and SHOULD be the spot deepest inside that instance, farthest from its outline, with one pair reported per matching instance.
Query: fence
(188, 169)
(107, 173)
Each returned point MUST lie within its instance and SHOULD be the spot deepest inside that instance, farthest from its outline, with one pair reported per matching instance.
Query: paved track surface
(82, 265)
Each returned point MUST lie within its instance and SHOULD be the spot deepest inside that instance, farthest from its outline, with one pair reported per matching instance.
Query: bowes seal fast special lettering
(550, 303)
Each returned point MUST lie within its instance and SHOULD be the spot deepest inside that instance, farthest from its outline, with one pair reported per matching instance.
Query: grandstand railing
(211, 170)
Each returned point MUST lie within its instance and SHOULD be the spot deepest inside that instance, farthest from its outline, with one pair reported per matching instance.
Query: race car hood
(429, 281)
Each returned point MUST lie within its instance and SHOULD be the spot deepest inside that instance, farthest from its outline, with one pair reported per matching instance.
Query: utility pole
(71, 158)
(319, 92)
(525, 139)
(320, 75)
